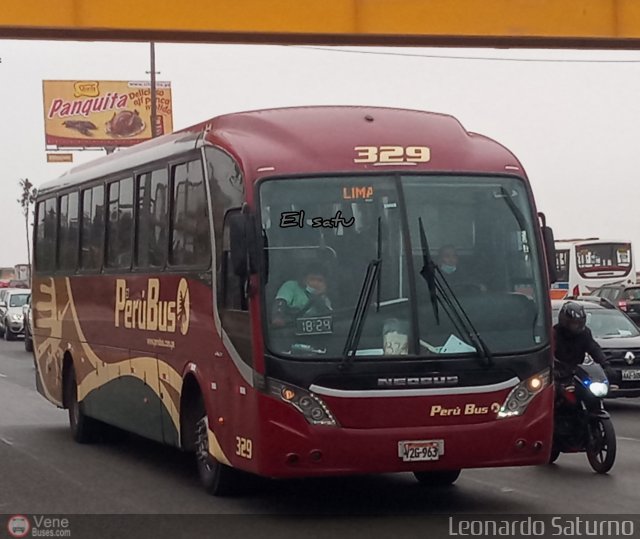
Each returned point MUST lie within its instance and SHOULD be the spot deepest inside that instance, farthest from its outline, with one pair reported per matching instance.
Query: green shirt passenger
(296, 299)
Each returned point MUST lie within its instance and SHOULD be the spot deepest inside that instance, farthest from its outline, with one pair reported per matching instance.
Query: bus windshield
(562, 265)
(593, 258)
(322, 236)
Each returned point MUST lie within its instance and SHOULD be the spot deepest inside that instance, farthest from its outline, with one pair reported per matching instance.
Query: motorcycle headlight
(517, 401)
(16, 317)
(599, 389)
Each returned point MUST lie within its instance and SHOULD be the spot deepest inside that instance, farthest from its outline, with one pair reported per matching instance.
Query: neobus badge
(149, 312)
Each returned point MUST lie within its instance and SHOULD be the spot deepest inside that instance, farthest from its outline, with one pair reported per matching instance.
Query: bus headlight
(310, 405)
(517, 401)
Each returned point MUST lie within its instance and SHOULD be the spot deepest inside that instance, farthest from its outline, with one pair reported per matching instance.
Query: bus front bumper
(302, 450)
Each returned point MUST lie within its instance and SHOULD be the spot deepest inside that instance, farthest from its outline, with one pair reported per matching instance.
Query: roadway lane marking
(6, 441)
(503, 490)
(3, 375)
(628, 439)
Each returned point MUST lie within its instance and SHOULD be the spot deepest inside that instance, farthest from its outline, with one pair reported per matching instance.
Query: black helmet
(572, 317)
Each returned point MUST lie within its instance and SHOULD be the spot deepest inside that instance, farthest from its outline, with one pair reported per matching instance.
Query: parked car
(28, 324)
(619, 339)
(625, 297)
(11, 317)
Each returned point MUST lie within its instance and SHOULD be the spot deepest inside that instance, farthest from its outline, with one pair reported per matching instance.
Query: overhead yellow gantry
(509, 23)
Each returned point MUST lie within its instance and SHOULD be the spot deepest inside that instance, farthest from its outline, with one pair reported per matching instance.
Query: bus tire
(217, 479)
(28, 340)
(84, 429)
(438, 479)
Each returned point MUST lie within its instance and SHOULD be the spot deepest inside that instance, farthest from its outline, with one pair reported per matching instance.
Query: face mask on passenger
(446, 268)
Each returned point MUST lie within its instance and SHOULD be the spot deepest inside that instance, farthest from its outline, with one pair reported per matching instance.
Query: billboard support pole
(154, 112)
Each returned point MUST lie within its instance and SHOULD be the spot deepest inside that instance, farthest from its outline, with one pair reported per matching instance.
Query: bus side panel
(235, 420)
(138, 385)
(242, 401)
(50, 308)
(231, 405)
(129, 398)
(159, 323)
(170, 389)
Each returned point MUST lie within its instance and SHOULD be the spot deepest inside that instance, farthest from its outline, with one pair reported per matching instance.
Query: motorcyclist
(572, 340)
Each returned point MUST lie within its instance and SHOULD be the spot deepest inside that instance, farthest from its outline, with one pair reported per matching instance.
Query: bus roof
(314, 140)
(565, 244)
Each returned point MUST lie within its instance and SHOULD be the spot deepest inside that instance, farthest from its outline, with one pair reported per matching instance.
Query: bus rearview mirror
(242, 243)
(550, 251)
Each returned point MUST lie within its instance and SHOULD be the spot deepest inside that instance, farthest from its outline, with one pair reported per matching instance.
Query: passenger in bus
(457, 278)
(304, 297)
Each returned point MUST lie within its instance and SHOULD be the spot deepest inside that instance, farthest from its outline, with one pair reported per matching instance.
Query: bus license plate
(318, 325)
(631, 374)
(419, 450)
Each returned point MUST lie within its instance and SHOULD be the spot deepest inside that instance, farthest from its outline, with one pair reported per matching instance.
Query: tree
(27, 198)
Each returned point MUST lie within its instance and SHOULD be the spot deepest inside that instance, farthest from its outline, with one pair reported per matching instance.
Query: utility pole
(154, 111)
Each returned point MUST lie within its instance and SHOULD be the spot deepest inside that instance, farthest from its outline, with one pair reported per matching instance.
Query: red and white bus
(584, 265)
(158, 270)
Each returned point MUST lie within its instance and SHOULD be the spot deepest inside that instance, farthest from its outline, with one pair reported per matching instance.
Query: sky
(571, 117)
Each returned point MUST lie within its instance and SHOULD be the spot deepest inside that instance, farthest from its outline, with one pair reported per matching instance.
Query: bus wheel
(28, 341)
(216, 478)
(437, 479)
(83, 428)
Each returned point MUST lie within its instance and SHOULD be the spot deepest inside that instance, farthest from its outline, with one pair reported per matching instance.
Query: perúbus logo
(18, 526)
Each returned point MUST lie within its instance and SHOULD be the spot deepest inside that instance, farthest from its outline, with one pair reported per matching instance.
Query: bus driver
(306, 297)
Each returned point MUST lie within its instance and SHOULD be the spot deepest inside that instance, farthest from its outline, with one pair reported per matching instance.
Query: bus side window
(151, 220)
(92, 228)
(68, 232)
(190, 242)
(119, 224)
(232, 286)
(46, 235)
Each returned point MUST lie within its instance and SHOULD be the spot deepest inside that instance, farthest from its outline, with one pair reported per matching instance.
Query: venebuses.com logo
(38, 526)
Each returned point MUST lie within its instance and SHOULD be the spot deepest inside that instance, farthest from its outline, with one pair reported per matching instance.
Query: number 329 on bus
(392, 154)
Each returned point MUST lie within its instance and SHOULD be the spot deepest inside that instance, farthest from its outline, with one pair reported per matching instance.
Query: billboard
(84, 114)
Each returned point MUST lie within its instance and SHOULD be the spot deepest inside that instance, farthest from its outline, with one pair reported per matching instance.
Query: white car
(11, 317)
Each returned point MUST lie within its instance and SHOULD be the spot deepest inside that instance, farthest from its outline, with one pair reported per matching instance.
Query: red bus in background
(172, 297)
(6, 275)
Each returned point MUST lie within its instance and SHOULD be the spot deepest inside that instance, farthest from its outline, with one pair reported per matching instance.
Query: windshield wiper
(428, 271)
(440, 291)
(371, 277)
(359, 316)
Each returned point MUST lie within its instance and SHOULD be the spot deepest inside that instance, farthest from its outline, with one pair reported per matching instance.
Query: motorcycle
(581, 422)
